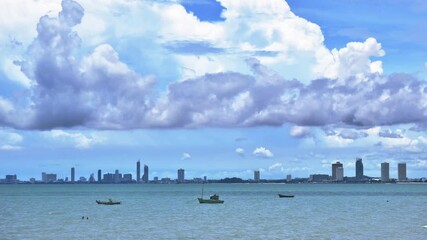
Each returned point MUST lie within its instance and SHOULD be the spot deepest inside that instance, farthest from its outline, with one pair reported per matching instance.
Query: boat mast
(203, 187)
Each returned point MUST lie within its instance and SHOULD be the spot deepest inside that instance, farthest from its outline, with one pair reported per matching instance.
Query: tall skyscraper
(359, 169)
(73, 175)
(99, 175)
(385, 177)
(138, 172)
(145, 176)
(256, 176)
(339, 173)
(180, 175)
(401, 171)
(334, 169)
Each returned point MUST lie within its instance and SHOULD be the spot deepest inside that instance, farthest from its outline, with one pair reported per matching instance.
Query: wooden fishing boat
(212, 199)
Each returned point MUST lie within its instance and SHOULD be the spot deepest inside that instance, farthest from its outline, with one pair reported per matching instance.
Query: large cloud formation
(101, 91)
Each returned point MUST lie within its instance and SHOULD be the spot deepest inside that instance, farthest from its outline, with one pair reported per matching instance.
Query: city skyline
(217, 87)
(337, 175)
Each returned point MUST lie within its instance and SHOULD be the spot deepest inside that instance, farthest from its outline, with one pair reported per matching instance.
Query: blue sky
(219, 88)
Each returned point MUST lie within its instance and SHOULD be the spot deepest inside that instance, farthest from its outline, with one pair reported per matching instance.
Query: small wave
(54, 213)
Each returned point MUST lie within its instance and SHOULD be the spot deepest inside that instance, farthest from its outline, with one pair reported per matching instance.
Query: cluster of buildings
(115, 177)
(338, 173)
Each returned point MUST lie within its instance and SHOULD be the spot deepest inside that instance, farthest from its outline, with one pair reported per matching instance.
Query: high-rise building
(108, 178)
(289, 178)
(359, 169)
(127, 178)
(99, 175)
(334, 169)
(385, 177)
(92, 178)
(51, 177)
(138, 172)
(117, 177)
(256, 176)
(145, 176)
(180, 175)
(401, 171)
(339, 174)
(319, 178)
(73, 174)
(11, 179)
(48, 177)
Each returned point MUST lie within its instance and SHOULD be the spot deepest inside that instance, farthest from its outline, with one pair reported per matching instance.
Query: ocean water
(250, 211)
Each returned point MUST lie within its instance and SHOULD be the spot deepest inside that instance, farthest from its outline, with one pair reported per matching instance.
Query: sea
(250, 211)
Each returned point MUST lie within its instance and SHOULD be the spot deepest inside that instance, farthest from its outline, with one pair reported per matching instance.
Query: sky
(219, 88)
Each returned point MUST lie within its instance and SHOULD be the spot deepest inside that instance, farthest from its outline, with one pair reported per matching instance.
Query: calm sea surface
(250, 211)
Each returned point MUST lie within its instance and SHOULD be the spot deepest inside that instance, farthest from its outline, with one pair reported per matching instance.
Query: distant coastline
(233, 180)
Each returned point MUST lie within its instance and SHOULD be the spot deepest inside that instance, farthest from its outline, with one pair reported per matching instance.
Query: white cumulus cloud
(9, 141)
(80, 140)
(276, 166)
(14, 73)
(353, 60)
(240, 151)
(10, 148)
(185, 156)
(300, 132)
(263, 152)
(10, 137)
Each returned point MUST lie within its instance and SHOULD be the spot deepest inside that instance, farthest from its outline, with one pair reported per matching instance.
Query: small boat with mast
(211, 200)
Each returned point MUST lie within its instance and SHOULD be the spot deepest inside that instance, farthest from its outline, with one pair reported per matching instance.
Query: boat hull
(210, 201)
(285, 196)
(107, 203)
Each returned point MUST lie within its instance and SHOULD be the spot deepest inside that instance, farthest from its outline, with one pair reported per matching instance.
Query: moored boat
(285, 196)
(109, 202)
(213, 199)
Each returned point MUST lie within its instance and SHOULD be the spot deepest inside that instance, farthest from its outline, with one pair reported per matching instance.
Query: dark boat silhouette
(109, 202)
(285, 196)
